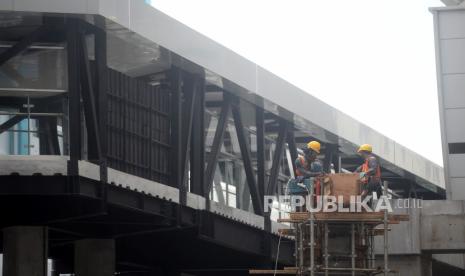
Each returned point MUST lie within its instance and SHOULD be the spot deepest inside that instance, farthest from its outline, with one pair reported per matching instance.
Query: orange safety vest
(376, 177)
(304, 164)
(317, 183)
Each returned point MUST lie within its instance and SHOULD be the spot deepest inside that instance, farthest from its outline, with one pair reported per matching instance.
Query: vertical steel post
(93, 141)
(363, 242)
(101, 89)
(259, 122)
(329, 152)
(372, 246)
(326, 249)
(386, 270)
(28, 125)
(197, 150)
(312, 235)
(74, 99)
(352, 248)
(176, 171)
(190, 89)
(301, 248)
(292, 146)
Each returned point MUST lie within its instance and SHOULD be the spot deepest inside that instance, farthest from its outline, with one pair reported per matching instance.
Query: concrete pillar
(426, 264)
(60, 267)
(408, 265)
(25, 251)
(94, 257)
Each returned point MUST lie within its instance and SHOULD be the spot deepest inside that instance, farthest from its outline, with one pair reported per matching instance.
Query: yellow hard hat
(314, 145)
(365, 147)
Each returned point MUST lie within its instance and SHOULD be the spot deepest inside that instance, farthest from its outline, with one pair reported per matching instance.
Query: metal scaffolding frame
(311, 232)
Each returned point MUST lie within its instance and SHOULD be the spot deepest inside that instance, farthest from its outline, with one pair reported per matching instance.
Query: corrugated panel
(138, 127)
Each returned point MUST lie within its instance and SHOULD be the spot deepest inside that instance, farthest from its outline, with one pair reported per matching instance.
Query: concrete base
(25, 251)
(455, 260)
(408, 265)
(94, 257)
(59, 267)
(440, 268)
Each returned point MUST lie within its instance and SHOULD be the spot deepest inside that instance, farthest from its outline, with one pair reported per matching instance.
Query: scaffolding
(337, 243)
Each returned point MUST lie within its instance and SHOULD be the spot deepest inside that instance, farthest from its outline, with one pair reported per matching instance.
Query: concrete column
(426, 264)
(25, 251)
(408, 265)
(60, 267)
(94, 257)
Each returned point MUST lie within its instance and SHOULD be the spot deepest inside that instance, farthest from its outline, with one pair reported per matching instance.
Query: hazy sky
(372, 59)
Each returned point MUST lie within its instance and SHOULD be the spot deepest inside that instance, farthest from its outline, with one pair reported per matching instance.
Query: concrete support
(426, 261)
(25, 251)
(59, 267)
(94, 257)
(408, 265)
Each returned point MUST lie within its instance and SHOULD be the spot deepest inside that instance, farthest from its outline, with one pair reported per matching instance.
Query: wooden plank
(400, 217)
(286, 232)
(273, 272)
(379, 231)
(350, 216)
(367, 221)
(286, 220)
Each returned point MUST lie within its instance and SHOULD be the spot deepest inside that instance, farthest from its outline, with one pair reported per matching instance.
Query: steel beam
(88, 98)
(11, 122)
(189, 99)
(176, 127)
(48, 136)
(74, 113)
(216, 146)
(273, 181)
(260, 121)
(290, 139)
(190, 94)
(247, 160)
(330, 153)
(261, 180)
(177, 162)
(101, 88)
(197, 151)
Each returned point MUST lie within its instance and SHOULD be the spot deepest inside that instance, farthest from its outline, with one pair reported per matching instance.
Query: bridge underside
(147, 237)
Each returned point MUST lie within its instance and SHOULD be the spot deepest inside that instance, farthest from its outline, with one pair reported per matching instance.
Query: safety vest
(316, 180)
(303, 163)
(374, 178)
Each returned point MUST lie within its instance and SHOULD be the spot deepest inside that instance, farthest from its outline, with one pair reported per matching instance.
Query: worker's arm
(358, 169)
(303, 171)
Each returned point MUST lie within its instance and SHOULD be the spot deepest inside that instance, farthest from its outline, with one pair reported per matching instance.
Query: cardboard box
(342, 184)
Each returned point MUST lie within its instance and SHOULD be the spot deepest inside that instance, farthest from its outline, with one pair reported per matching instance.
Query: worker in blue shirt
(307, 167)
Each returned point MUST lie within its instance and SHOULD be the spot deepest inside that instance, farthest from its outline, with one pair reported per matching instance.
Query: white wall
(450, 57)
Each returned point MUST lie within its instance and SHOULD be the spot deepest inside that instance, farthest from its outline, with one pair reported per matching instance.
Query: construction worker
(369, 171)
(308, 165)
